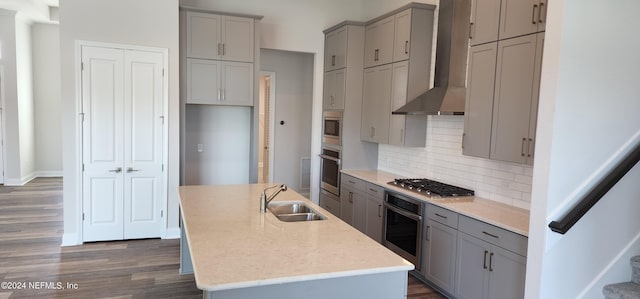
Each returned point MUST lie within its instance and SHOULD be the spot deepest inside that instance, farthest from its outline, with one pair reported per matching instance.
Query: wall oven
(330, 170)
(403, 227)
(332, 127)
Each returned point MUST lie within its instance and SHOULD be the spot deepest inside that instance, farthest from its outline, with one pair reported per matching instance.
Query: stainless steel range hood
(449, 91)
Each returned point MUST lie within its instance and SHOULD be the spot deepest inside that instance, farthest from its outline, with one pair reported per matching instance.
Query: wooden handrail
(597, 192)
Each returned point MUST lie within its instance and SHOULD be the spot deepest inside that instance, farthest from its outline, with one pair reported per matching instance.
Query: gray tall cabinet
(503, 79)
(219, 63)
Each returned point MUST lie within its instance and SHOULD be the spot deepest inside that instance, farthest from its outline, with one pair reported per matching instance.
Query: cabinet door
(440, 255)
(478, 112)
(485, 16)
(399, 80)
(472, 262)
(514, 92)
(334, 89)
(203, 35)
(402, 35)
(203, 81)
(507, 274)
(335, 49)
(238, 39)
(376, 104)
(533, 119)
(237, 84)
(360, 211)
(379, 42)
(374, 213)
(518, 17)
(346, 205)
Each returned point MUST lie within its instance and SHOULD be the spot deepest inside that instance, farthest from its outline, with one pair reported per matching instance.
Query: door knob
(130, 169)
(116, 170)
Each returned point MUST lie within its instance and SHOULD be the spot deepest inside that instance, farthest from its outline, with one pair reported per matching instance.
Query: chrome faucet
(264, 201)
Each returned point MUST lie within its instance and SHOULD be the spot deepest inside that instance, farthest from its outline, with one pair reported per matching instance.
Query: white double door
(122, 144)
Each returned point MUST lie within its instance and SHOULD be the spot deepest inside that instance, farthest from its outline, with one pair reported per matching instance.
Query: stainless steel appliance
(332, 127)
(330, 170)
(403, 227)
(403, 220)
(431, 188)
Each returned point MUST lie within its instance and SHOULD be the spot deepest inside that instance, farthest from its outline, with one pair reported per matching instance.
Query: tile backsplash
(442, 160)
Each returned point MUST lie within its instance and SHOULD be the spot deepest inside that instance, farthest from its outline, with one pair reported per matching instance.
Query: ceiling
(35, 10)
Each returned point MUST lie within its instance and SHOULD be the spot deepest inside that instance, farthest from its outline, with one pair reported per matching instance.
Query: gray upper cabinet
(521, 17)
(402, 36)
(516, 98)
(376, 104)
(485, 17)
(334, 89)
(219, 82)
(479, 101)
(220, 37)
(378, 42)
(335, 44)
(397, 123)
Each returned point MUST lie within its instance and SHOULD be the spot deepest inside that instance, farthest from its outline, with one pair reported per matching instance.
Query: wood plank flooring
(31, 257)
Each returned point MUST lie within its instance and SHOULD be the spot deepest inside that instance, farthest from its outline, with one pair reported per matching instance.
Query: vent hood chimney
(447, 97)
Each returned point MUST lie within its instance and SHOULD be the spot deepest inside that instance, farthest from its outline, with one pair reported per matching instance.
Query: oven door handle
(330, 158)
(403, 213)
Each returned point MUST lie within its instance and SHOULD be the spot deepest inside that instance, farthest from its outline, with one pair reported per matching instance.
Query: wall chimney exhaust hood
(447, 97)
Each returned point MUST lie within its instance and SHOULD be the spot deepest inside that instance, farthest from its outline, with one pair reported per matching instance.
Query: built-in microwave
(332, 127)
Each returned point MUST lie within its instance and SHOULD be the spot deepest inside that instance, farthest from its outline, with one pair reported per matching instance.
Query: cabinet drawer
(375, 191)
(330, 203)
(443, 216)
(494, 235)
(353, 183)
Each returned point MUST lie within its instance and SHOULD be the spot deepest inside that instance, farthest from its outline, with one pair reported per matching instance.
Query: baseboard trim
(173, 233)
(21, 181)
(70, 239)
(48, 173)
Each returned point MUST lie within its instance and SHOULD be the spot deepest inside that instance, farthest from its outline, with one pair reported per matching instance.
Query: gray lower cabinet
(491, 262)
(375, 197)
(330, 202)
(353, 208)
(440, 247)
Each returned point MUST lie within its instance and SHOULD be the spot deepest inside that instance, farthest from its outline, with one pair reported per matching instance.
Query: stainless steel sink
(294, 212)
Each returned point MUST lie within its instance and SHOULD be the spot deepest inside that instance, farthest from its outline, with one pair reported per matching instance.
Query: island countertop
(233, 245)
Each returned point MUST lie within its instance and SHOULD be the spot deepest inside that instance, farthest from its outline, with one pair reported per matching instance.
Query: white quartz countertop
(233, 245)
(501, 215)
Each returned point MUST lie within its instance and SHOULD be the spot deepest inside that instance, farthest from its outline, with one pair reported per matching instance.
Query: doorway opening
(265, 130)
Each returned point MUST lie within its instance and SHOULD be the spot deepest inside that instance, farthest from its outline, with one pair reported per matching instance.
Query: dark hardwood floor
(31, 257)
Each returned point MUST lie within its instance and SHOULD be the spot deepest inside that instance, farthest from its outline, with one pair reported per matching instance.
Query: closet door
(102, 143)
(122, 179)
(143, 127)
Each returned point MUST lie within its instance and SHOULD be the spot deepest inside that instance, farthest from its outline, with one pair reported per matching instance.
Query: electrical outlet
(200, 148)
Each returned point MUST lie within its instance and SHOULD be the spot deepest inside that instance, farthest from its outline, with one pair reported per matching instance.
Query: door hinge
(81, 66)
(162, 72)
(161, 213)
(163, 167)
(83, 167)
(82, 116)
(82, 216)
(162, 118)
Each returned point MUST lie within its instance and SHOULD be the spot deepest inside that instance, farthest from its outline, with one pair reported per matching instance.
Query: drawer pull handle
(533, 14)
(490, 235)
(441, 216)
(491, 262)
(485, 259)
(373, 190)
(351, 182)
(406, 47)
(380, 211)
(427, 234)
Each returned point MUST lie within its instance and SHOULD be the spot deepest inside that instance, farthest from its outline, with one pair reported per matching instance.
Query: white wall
(589, 104)
(442, 160)
(293, 101)
(25, 99)
(46, 96)
(152, 23)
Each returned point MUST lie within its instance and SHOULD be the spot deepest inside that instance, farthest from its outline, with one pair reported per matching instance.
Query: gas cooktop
(431, 188)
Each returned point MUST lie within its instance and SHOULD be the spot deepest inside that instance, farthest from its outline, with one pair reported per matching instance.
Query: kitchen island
(237, 252)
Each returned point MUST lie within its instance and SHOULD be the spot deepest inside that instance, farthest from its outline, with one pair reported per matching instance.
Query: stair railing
(597, 192)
